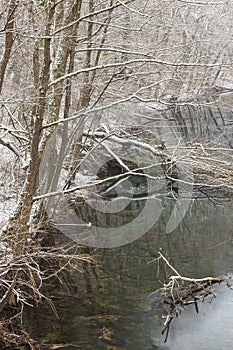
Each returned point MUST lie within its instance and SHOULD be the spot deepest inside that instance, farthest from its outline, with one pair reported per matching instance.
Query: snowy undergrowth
(10, 184)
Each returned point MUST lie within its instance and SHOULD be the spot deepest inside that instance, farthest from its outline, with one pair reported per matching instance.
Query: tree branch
(151, 60)
(90, 15)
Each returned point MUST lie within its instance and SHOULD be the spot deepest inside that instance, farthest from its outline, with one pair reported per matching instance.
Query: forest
(116, 116)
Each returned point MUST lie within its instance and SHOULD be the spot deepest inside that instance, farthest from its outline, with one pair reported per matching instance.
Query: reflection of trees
(86, 62)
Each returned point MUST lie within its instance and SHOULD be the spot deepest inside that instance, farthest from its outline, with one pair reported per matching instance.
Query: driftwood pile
(175, 297)
(181, 292)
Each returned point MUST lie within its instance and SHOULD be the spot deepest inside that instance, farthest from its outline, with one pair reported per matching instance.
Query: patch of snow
(10, 179)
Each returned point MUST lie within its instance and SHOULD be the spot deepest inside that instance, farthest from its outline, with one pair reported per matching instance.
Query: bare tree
(81, 72)
(64, 59)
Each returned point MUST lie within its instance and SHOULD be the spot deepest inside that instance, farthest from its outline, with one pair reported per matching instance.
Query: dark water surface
(113, 312)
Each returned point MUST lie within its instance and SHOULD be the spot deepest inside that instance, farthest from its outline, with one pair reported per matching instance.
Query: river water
(111, 309)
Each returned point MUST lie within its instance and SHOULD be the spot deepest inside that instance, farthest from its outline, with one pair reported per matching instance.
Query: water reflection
(114, 314)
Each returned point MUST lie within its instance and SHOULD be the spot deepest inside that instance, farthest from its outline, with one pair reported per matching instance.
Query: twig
(168, 264)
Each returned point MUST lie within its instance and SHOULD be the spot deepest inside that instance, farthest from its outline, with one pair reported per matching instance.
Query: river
(113, 311)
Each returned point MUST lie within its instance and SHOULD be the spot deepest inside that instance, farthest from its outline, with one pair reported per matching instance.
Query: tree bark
(23, 211)
(9, 29)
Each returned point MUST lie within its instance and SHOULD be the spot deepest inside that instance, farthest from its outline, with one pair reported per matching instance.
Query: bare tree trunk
(85, 93)
(67, 46)
(23, 211)
(9, 29)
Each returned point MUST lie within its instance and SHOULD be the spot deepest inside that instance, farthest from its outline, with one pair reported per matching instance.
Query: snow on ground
(10, 179)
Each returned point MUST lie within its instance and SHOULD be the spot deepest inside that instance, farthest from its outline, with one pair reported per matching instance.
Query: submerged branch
(182, 291)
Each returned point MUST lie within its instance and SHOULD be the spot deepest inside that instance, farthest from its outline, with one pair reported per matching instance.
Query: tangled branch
(182, 291)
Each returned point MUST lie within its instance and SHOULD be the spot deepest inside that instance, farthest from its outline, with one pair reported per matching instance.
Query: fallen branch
(174, 296)
(196, 280)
